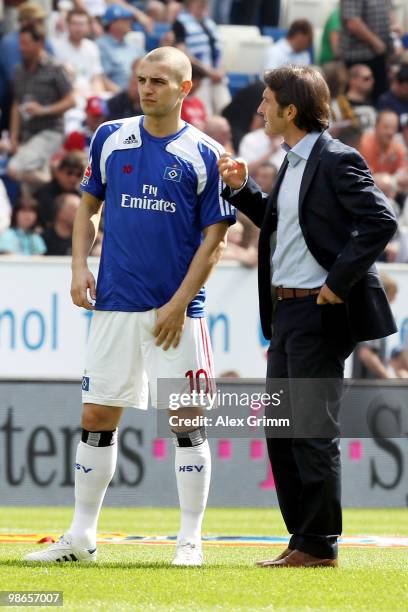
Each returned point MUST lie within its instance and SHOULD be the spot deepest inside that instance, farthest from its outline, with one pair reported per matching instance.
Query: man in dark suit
(322, 228)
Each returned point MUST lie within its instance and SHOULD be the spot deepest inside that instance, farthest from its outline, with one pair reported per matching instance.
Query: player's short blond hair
(175, 59)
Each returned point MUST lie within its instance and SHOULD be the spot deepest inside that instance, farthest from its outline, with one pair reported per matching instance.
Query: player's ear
(186, 88)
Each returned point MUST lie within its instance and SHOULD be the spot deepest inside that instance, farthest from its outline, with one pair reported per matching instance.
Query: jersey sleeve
(92, 179)
(213, 208)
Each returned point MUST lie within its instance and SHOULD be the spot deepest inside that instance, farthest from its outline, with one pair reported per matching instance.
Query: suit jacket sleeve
(250, 200)
(374, 222)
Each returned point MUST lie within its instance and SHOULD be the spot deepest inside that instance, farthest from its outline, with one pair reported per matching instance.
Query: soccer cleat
(188, 554)
(62, 551)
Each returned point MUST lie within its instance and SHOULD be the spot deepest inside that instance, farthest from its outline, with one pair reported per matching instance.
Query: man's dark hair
(305, 88)
(300, 26)
(36, 30)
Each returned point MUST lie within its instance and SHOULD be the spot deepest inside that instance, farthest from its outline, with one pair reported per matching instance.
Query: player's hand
(169, 325)
(326, 296)
(82, 280)
(234, 172)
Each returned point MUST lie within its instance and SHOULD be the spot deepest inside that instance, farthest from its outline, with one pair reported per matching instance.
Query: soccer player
(165, 223)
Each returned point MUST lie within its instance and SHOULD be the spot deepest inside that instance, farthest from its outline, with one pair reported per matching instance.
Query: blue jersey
(160, 193)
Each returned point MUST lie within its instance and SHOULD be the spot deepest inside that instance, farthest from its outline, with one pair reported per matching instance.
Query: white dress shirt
(292, 262)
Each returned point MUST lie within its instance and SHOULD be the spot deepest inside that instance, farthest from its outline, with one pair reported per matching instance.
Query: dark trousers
(378, 67)
(309, 342)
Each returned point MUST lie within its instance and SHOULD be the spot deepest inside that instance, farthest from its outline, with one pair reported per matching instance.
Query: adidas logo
(130, 140)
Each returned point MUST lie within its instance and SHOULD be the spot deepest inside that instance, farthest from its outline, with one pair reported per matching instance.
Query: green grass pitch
(139, 577)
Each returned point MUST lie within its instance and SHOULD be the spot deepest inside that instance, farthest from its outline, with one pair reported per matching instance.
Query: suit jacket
(346, 222)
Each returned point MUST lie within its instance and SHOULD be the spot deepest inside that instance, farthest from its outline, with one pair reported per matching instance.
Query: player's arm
(84, 234)
(171, 316)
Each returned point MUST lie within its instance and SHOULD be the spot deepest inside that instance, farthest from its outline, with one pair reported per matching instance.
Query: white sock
(193, 483)
(90, 489)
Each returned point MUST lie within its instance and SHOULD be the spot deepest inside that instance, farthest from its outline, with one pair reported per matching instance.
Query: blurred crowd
(67, 66)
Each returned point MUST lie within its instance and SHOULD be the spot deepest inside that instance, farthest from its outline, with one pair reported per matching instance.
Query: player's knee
(98, 418)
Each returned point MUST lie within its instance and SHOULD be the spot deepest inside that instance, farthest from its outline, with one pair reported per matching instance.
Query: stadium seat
(237, 81)
(249, 59)
(243, 48)
(274, 33)
(404, 40)
(316, 11)
(152, 39)
(238, 32)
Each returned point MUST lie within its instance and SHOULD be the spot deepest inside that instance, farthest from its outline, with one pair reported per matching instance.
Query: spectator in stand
(257, 148)
(247, 256)
(388, 185)
(96, 10)
(10, 54)
(126, 103)
(193, 110)
(42, 93)
(67, 179)
(21, 238)
(370, 357)
(29, 13)
(329, 48)
(196, 34)
(81, 55)
(219, 129)
(58, 237)
(95, 114)
(117, 54)
(341, 115)
(241, 112)
(399, 362)
(366, 37)
(265, 176)
(254, 12)
(350, 135)
(361, 83)
(96, 250)
(396, 250)
(293, 49)
(5, 208)
(381, 148)
(163, 11)
(404, 131)
(396, 98)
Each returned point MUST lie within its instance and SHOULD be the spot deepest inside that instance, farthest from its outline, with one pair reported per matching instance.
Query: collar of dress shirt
(302, 149)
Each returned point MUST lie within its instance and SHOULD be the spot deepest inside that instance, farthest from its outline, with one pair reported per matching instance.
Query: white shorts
(123, 362)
